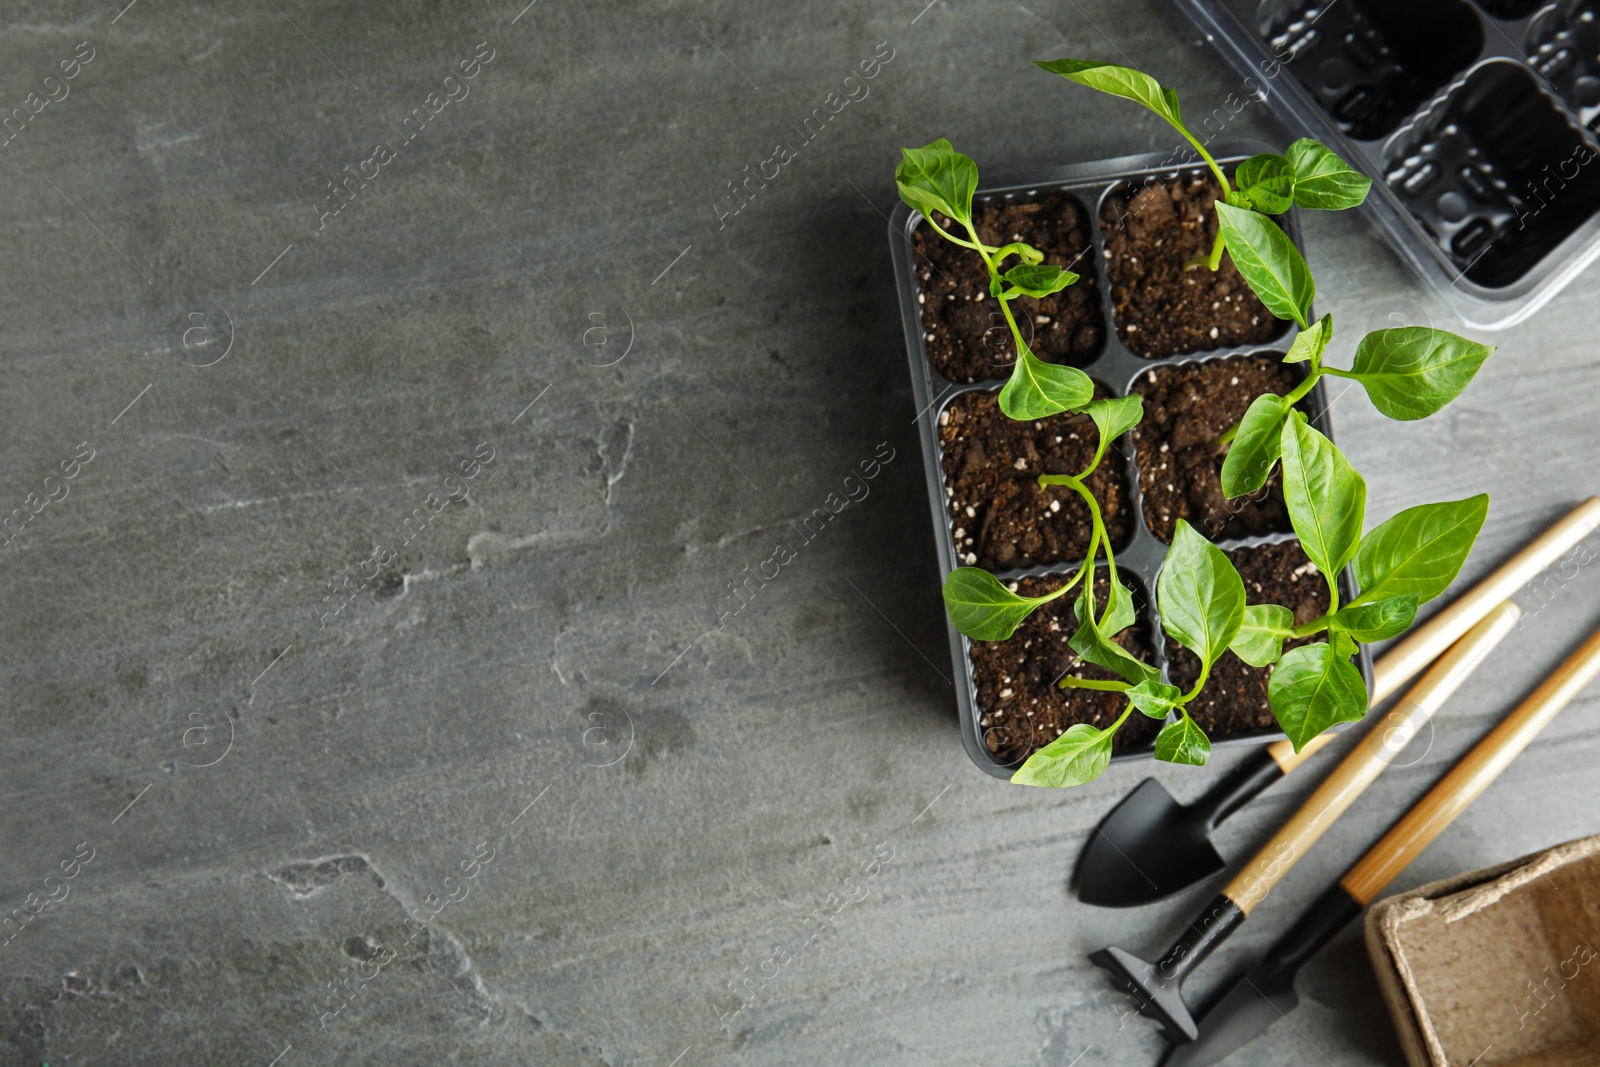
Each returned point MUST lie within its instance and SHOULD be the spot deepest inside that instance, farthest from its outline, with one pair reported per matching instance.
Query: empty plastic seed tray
(1476, 121)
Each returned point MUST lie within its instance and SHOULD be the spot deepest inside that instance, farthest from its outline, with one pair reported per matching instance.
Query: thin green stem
(977, 245)
(1094, 543)
(1097, 536)
(1088, 563)
(1114, 727)
(1111, 686)
(1215, 170)
(964, 243)
(1214, 262)
(1016, 331)
(1205, 672)
(1076, 483)
(1099, 454)
(1315, 626)
(1211, 260)
(1289, 400)
(1099, 525)
(1022, 250)
(1074, 580)
(1303, 388)
(994, 276)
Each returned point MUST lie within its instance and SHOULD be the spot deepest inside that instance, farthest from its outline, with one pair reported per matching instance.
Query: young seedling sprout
(1408, 373)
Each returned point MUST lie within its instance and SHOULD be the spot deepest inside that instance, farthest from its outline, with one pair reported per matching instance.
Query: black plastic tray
(1116, 368)
(1477, 122)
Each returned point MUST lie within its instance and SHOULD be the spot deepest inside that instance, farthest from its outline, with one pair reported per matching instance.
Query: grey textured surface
(695, 792)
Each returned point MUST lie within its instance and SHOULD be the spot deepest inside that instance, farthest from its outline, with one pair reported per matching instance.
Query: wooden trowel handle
(1471, 776)
(1287, 759)
(1368, 759)
(1407, 657)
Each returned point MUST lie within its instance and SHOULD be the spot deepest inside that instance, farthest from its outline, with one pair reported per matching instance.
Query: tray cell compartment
(1369, 64)
(1496, 174)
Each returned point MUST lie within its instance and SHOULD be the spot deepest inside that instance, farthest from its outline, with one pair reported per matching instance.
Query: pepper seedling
(1409, 373)
(1309, 174)
(937, 180)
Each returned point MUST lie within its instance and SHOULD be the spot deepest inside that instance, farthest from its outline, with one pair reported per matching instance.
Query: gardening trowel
(1149, 846)
(1158, 987)
(1266, 994)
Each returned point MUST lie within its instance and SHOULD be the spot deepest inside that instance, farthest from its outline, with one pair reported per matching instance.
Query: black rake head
(1159, 996)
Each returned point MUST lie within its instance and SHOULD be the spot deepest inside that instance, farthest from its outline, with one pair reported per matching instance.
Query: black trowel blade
(1148, 847)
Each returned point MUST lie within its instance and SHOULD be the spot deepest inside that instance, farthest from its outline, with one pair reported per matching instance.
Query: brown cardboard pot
(1496, 967)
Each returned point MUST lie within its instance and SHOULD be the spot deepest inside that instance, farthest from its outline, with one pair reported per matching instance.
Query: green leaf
(1344, 646)
(1094, 642)
(1256, 446)
(1125, 82)
(1077, 756)
(1039, 280)
(1268, 183)
(1269, 262)
(1310, 344)
(1311, 689)
(1327, 499)
(1420, 550)
(1038, 389)
(1200, 594)
(984, 609)
(1378, 620)
(1259, 641)
(1090, 643)
(1410, 372)
(1183, 742)
(1322, 180)
(1119, 613)
(1155, 698)
(937, 178)
(1116, 415)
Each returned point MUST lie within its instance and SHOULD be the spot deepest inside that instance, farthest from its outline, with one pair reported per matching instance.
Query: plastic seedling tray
(1116, 368)
(1477, 122)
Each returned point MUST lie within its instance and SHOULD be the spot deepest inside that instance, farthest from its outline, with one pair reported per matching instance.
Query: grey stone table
(392, 578)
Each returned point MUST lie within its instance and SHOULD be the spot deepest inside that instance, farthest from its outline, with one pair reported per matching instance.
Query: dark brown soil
(966, 336)
(1234, 701)
(1186, 407)
(1019, 705)
(1159, 308)
(1002, 517)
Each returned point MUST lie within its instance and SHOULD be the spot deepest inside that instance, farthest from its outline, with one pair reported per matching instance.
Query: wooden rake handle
(1407, 657)
(1368, 759)
(1471, 776)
